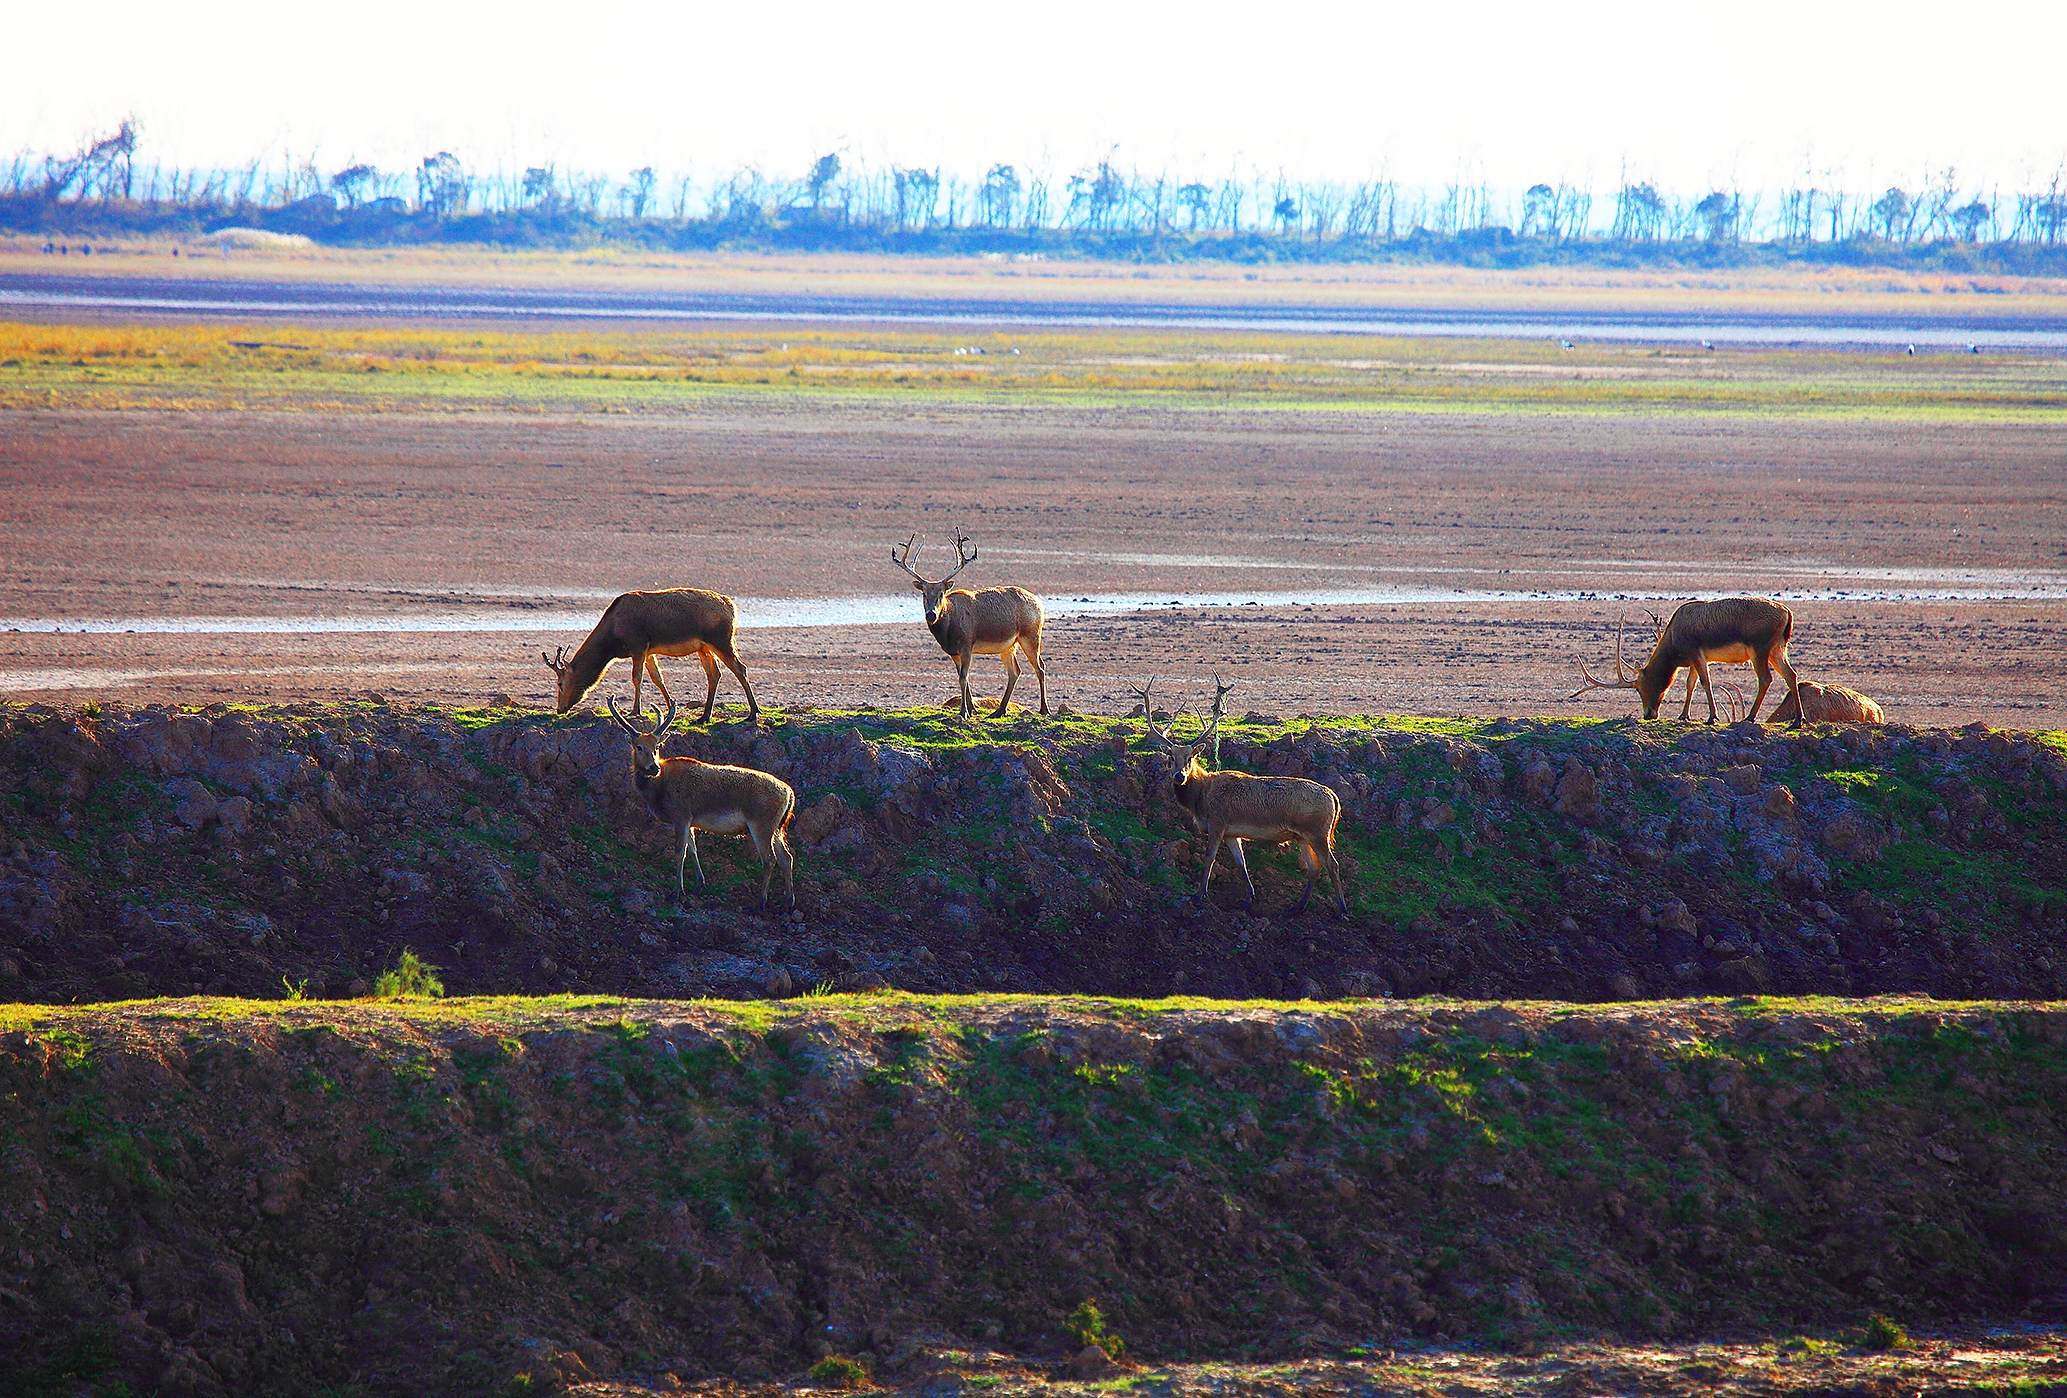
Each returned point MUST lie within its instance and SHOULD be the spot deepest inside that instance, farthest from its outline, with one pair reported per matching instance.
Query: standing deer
(1731, 630)
(1828, 703)
(647, 625)
(692, 796)
(1000, 621)
(1234, 806)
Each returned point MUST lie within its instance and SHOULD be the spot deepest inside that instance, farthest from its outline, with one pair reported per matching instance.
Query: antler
(904, 562)
(1733, 700)
(962, 560)
(1220, 693)
(556, 662)
(661, 726)
(1622, 680)
(1161, 735)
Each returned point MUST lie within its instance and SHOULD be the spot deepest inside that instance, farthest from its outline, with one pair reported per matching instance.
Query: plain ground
(250, 514)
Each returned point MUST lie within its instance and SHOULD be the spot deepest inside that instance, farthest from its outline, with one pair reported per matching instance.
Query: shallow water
(230, 299)
(900, 610)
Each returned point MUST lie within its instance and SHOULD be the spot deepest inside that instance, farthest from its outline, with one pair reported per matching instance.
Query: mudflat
(1420, 562)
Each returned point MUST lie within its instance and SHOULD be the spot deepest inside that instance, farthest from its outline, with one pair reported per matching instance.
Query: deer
(1233, 806)
(692, 795)
(1000, 621)
(647, 625)
(1730, 630)
(1828, 703)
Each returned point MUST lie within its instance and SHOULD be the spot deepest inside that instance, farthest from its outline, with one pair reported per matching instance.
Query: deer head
(1186, 766)
(645, 745)
(933, 594)
(1637, 679)
(563, 677)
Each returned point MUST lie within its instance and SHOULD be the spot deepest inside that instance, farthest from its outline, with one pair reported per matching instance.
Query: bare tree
(638, 191)
(1968, 219)
(350, 184)
(1539, 211)
(824, 171)
(1717, 214)
(1891, 213)
(917, 192)
(442, 184)
(1639, 212)
(998, 196)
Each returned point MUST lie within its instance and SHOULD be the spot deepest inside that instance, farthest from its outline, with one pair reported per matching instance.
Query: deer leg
(710, 679)
(1310, 865)
(689, 838)
(1031, 644)
(685, 840)
(1793, 691)
(1763, 668)
(1686, 705)
(1011, 663)
(781, 857)
(653, 669)
(731, 659)
(968, 709)
(1212, 855)
(1241, 862)
(1335, 872)
(638, 674)
(1701, 669)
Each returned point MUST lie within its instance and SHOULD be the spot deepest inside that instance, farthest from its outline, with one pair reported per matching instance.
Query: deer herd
(1229, 807)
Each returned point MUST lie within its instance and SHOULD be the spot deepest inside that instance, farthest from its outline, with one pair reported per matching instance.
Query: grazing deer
(692, 796)
(1828, 703)
(1234, 806)
(1731, 630)
(1000, 621)
(647, 625)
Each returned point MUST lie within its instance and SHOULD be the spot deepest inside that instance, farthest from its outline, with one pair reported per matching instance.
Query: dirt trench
(302, 848)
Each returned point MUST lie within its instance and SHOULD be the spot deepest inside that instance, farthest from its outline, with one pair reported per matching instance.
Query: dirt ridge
(172, 851)
(206, 1197)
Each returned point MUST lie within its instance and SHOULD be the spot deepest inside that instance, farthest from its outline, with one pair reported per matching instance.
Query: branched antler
(962, 560)
(904, 561)
(1622, 680)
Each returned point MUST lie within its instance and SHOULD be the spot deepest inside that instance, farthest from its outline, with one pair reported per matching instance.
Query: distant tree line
(1104, 209)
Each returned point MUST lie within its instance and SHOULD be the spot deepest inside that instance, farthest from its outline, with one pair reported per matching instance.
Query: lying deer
(647, 625)
(1234, 806)
(1731, 630)
(692, 796)
(1828, 703)
(1000, 621)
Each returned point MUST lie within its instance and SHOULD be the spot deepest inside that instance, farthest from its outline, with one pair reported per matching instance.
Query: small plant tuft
(1086, 1324)
(838, 1371)
(412, 976)
(1883, 1334)
(296, 990)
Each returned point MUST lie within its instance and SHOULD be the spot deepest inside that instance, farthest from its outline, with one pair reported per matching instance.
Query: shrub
(1883, 1333)
(1087, 1324)
(411, 976)
(838, 1371)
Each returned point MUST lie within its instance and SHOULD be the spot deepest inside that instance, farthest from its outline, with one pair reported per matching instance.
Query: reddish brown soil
(296, 515)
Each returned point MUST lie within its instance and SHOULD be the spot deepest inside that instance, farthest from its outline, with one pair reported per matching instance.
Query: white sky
(1689, 94)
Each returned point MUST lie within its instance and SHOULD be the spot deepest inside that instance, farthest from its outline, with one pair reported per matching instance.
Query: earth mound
(229, 850)
(496, 1196)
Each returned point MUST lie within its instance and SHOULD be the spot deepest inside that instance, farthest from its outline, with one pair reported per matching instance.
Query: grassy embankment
(441, 1196)
(1564, 858)
(301, 368)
